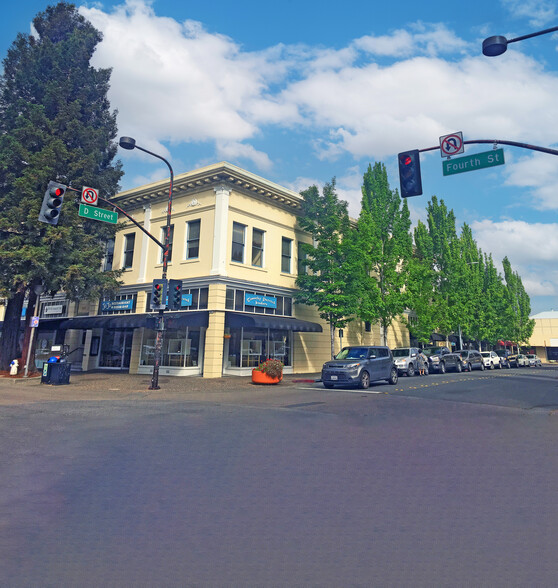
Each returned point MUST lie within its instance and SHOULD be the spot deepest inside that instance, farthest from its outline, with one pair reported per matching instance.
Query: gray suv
(358, 366)
(406, 360)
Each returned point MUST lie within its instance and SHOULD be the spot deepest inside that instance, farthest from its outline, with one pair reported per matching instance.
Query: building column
(144, 243)
(219, 262)
(214, 336)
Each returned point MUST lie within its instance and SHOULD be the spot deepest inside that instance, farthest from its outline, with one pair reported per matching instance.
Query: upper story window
(171, 238)
(286, 255)
(193, 239)
(236, 299)
(109, 256)
(238, 240)
(129, 242)
(257, 247)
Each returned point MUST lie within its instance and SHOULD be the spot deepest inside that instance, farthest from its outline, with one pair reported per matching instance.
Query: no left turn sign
(451, 144)
(89, 196)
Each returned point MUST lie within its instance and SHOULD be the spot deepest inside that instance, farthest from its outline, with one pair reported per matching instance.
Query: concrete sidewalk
(113, 386)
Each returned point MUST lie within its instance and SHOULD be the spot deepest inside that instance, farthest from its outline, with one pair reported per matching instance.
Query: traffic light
(175, 294)
(158, 295)
(52, 203)
(409, 173)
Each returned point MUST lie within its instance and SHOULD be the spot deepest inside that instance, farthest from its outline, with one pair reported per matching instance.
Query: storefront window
(249, 347)
(181, 348)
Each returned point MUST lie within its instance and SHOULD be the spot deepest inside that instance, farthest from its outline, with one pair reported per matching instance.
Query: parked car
(534, 361)
(470, 360)
(407, 360)
(358, 366)
(504, 355)
(441, 359)
(512, 359)
(491, 360)
(522, 360)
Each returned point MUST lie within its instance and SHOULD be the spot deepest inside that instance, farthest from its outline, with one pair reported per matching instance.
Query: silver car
(406, 360)
(358, 366)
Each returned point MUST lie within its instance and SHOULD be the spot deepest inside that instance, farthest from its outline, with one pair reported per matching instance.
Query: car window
(352, 353)
(382, 352)
(401, 352)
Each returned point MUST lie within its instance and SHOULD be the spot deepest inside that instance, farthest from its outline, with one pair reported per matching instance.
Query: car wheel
(393, 377)
(328, 385)
(499, 366)
(458, 368)
(442, 367)
(492, 365)
(411, 370)
(364, 379)
(469, 367)
(482, 366)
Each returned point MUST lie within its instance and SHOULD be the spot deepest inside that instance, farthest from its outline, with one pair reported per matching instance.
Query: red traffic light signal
(52, 203)
(409, 173)
(158, 294)
(175, 295)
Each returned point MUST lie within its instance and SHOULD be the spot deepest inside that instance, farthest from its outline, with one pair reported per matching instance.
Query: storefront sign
(107, 305)
(53, 309)
(258, 300)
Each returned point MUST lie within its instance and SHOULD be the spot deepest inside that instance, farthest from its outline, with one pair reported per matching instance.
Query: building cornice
(212, 176)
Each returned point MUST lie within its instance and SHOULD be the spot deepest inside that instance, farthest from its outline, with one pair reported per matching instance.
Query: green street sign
(458, 165)
(98, 214)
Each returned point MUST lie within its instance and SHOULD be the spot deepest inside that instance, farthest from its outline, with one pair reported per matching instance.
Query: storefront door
(116, 348)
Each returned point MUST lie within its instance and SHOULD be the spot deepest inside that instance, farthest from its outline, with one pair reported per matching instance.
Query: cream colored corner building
(544, 340)
(235, 247)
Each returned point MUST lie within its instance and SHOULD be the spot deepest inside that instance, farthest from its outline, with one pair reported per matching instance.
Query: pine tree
(55, 124)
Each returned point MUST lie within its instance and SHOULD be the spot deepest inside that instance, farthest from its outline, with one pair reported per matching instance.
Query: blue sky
(299, 92)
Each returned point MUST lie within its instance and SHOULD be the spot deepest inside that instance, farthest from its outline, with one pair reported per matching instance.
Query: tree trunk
(332, 337)
(9, 342)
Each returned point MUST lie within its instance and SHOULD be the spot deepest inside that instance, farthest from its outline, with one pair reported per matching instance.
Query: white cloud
(532, 249)
(538, 12)
(539, 173)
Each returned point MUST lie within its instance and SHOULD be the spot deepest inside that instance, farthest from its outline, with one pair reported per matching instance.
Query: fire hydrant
(13, 367)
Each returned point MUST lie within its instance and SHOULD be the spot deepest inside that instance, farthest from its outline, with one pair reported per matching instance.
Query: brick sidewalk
(113, 386)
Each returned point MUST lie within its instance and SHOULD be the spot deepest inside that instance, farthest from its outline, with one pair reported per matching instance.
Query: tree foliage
(331, 260)
(55, 124)
(385, 244)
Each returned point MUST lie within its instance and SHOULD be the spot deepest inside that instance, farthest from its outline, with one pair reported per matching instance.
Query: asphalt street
(437, 481)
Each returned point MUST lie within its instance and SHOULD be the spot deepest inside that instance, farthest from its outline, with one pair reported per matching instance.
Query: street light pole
(129, 143)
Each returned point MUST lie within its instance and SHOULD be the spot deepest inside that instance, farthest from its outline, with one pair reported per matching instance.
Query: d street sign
(98, 214)
(458, 165)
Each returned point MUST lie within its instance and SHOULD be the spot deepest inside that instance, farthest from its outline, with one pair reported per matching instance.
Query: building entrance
(116, 348)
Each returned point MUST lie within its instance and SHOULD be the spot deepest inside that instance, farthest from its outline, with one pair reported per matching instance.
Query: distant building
(544, 340)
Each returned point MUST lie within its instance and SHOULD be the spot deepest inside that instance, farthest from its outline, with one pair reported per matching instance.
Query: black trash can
(56, 373)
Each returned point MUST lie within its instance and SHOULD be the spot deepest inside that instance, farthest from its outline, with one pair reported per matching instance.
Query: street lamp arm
(546, 31)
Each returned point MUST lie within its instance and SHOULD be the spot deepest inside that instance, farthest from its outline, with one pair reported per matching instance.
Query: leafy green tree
(520, 326)
(422, 296)
(385, 244)
(328, 282)
(55, 124)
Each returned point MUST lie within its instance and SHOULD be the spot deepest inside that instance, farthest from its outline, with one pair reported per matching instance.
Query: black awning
(265, 321)
(134, 321)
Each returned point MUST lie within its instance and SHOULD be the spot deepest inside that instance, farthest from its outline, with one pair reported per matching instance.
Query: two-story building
(234, 244)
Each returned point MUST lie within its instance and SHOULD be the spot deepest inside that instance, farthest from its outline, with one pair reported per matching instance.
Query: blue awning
(266, 321)
(134, 321)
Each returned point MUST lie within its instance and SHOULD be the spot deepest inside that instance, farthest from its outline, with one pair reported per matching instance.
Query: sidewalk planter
(268, 372)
